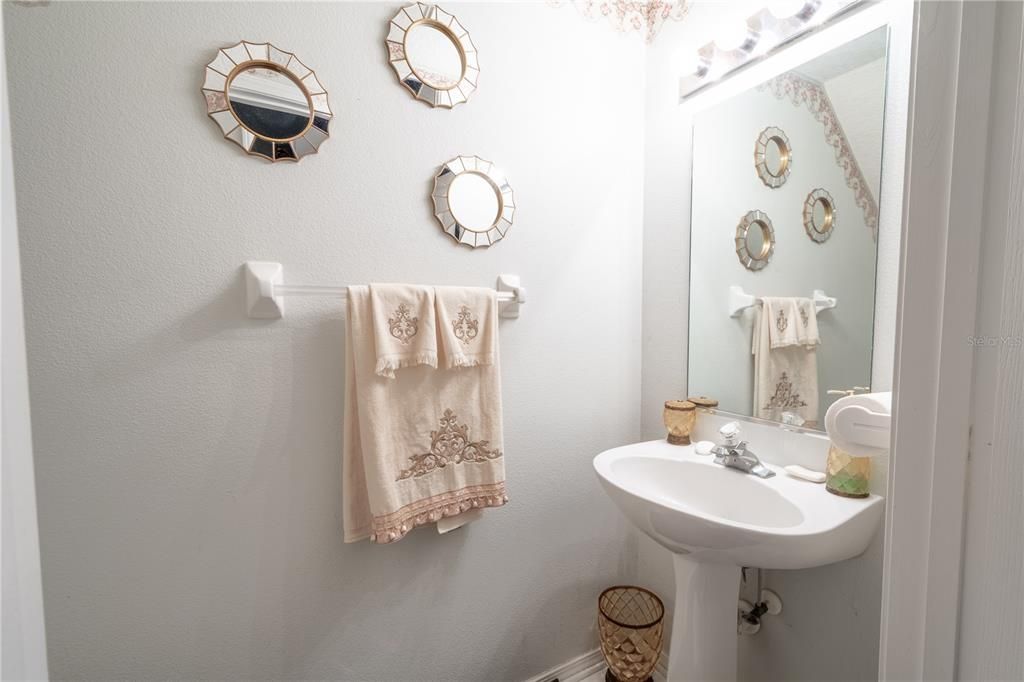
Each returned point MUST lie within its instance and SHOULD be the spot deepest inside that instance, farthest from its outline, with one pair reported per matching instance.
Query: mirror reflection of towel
(793, 321)
(786, 360)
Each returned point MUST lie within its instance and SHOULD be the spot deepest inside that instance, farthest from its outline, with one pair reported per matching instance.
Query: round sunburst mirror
(473, 201)
(819, 215)
(755, 240)
(433, 55)
(266, 101)
(773, 157)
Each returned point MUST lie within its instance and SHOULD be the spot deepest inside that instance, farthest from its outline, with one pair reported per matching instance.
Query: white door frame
(943, 198)
(23, 636)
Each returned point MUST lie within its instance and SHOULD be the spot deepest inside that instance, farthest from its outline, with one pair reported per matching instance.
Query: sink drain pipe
(749, 615)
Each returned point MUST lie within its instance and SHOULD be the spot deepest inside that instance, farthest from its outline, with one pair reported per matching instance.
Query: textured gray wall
(188, 458)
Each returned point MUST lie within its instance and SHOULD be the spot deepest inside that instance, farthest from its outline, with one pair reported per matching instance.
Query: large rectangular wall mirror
(786, 182)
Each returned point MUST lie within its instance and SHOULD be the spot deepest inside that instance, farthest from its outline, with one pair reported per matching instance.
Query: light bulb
(736, 36)
(691, 63)
(731, 37)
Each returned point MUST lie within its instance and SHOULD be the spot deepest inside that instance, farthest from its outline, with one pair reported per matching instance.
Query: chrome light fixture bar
(766, 31)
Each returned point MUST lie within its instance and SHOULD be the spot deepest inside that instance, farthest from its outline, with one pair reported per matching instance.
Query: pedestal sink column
(703, 645)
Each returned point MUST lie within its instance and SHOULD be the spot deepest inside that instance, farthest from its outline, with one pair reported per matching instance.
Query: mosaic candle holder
(846, 475)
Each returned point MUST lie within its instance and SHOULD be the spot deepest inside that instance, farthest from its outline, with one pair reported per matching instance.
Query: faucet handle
(730, 433)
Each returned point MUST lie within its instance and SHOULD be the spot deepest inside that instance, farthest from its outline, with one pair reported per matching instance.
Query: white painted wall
(23, 635)
(727, 186)
(188, 458)
(830, 627)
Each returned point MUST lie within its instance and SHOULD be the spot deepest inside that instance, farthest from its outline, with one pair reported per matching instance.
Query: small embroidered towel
(783, 318)
(419, 448)
(467, 322)
(807, 330)
(403, 327)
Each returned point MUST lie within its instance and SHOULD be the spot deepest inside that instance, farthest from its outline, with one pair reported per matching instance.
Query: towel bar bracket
(510, 283)
(265, 291)
(261, 302)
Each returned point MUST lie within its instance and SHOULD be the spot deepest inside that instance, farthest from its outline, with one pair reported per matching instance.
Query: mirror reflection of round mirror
(474, 201)
(434, 55)
(270, 103)
(819, 215)
(755, 240)
(776, 157)
(773, 157)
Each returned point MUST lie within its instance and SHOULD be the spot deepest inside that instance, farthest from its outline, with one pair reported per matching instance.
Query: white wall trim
(951, 73)
(582, 667)
(575, 670)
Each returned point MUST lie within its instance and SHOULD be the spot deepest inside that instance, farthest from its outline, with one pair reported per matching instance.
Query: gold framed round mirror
(266, 101)
(432, 55)
(755, 240)
(473, 201)
(819, 215)
(773, 157)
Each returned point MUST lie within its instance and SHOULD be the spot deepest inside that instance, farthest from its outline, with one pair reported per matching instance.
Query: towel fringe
(387, 364)
(481, 360)
(385, 533)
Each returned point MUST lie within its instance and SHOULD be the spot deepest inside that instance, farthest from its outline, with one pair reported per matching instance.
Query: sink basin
(715, 520)
(690, 505)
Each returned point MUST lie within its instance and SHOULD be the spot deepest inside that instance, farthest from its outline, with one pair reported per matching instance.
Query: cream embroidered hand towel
(420, 447)
(467, 322)
(807, 330)
(785, 378)
(403, 327)
(784, 317)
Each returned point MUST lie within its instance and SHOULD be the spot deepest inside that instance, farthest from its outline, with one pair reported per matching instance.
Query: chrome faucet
(733, 453)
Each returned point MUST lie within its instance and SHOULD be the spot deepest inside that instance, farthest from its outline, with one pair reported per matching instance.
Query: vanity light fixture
(738, 38)
(794, 9)
(778, 23)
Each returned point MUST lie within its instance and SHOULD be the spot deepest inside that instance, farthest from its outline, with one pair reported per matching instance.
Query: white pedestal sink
(715, 520)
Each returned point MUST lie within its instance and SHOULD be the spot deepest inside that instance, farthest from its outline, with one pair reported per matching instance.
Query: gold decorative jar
(679, 417)
(703, 402)
(631, 623)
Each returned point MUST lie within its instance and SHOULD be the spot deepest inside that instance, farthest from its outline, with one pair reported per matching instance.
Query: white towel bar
(264, 291)
(740, 300)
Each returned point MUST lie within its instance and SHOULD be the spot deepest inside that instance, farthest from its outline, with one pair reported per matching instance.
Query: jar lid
(703, 401)
(683, 405)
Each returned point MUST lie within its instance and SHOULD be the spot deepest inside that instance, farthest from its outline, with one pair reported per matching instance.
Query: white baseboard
(576, 670)
(582, 667)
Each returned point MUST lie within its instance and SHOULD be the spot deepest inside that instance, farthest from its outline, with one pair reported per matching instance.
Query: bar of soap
(703, 447)
(797, 471)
